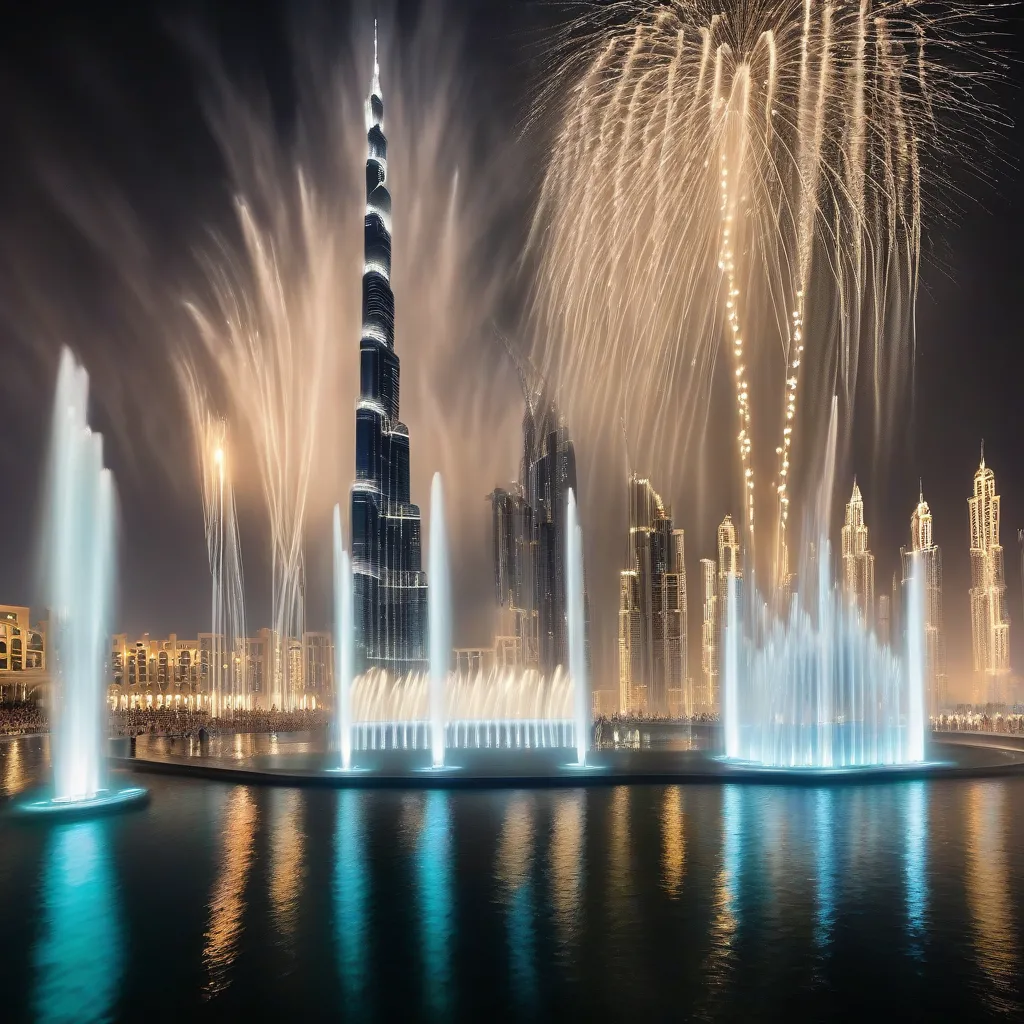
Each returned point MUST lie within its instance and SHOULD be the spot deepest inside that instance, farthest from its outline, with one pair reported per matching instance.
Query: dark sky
(103, 135)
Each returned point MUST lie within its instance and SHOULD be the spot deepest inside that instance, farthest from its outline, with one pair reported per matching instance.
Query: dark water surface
(644, 903)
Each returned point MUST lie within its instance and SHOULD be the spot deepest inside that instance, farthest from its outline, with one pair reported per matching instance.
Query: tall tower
(925, 556)
(652, 608)
(858, 562)
(990, 624)
(390, 585)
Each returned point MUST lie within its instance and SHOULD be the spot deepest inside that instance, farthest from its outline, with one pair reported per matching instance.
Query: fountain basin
(106, 801)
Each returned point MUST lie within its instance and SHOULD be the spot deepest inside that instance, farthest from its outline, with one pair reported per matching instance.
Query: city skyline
(170, 557)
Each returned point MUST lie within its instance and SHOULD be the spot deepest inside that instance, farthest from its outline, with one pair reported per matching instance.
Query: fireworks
(753, 171)
(228, 662)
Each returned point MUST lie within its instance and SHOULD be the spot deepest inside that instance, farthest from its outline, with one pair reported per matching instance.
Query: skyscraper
(390, 585)
(990, 625)
(925, 556)
(858, 561)
(530, 537)
(652, 608)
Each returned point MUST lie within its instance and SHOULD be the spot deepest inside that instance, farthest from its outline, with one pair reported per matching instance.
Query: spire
(855, 496)
(982, 466)
(375, 87)
(920, 491)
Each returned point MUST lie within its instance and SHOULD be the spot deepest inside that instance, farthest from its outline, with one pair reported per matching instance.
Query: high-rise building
(652, 608)
(858, 561)
(990, 624)
(529, 521)
(925, 556)
(390, 585)
(884, 628)
(706, 699)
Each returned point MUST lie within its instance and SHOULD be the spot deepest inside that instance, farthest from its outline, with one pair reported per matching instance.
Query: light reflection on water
(351, 901)
(574, 898)
(287, 866)
(515, 875)
(990, 897)
(434, 870)
(673, 838)
(916, 863)
(79, 957)
(227, 902)
(567, 866)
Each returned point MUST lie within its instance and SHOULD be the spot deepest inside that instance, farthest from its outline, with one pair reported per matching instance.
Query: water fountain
(80, 553)
(816, 689)
(576, 614)
(439, 610)
(344, 631)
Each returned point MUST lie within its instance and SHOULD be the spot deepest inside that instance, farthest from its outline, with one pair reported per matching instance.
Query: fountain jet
(577, 625)
(439, 610)
(79, 583)
(343, 649)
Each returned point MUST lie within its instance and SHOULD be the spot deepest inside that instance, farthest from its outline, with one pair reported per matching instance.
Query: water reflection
(286, 869)
(514, 870)
(673, 840)
(434, 858)
(566, 854)
(824, 828)
(351, 901)
(725, 919)
(79, 958)
(227, 902)
(989, 895)
(916, 859)
(14, 773)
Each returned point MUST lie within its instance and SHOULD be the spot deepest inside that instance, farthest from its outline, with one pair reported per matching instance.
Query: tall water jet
(576, 615)
(439, 611)
(79, 582)
(915, 661)
(344, 631)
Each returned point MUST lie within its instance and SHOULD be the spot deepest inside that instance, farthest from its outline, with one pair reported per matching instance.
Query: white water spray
(80, 555)
(344, 632)
(576, 614)
(915, 661)
(439, 610)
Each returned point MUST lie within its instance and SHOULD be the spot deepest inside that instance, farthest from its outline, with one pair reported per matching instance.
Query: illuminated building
(471, 661)
(925, 556)
(706, 699)
(22, 653)
(390, 586)
(530, 541)
(175, 672)
(652, 609)
(858, 561)
(990, 625)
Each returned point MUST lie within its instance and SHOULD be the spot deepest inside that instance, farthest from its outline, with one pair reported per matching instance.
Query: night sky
(111, 179)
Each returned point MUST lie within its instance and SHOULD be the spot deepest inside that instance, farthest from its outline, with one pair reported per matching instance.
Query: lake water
(623, 903)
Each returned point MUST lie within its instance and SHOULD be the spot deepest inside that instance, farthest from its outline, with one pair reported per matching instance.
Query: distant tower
(707, 699)
(652, 608)
(990, 624)
(925, 556)
(858, 562)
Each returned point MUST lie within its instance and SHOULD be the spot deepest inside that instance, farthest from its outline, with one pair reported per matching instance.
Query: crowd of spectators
(21, 717)
(1008, 724)
(186, 722)
(605, 727)
(28, 717)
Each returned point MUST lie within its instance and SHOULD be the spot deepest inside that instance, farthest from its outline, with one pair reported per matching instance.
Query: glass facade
(390, 585)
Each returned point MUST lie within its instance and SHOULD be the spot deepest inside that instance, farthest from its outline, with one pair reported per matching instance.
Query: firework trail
(228, 662)
(756, 171)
